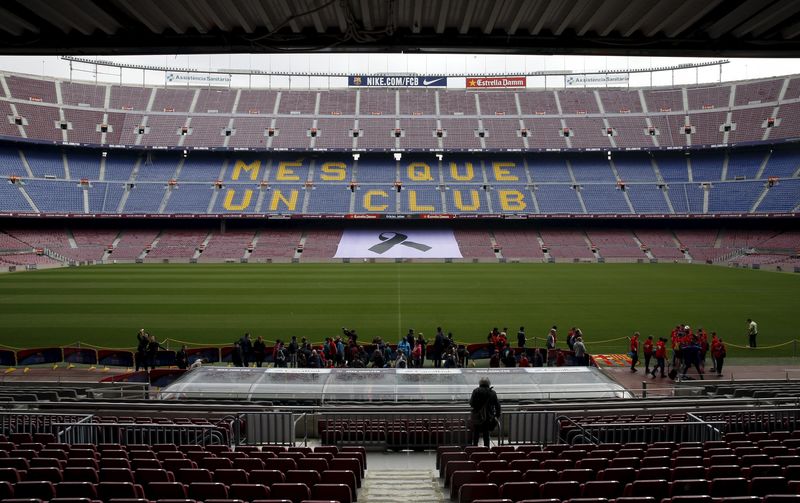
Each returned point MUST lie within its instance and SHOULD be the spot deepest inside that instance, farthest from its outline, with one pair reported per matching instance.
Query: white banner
(364, 243)
(597, 80)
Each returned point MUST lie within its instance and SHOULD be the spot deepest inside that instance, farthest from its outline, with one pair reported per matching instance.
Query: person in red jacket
(718, 353)
(648, 353)
(634, 350)
(712, 346)
(661, 357)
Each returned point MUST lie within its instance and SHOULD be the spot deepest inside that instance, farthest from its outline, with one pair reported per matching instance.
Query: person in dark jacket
(246, 345)
(182, 358)
(236, 355)
(152, 351)
(259, 350)
(439, 345)
(141, 350)
(485, 411)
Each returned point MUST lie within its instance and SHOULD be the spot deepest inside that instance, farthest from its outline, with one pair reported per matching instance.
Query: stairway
(402, 486)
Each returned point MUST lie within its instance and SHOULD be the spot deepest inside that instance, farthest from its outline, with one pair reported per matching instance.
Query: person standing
(246, 346)
(580, 352)
(691, 357)
(485, 411)
(439, 345)
(236, 355)
(551, 338)
(423, 344)
(141, 350)
(152, 351)
(292, 350)
(752, 332)
(634, 350)
(182, 358)
(521, 339)
(648, 353)
(718, 353)
(661, 357)
(259, 351)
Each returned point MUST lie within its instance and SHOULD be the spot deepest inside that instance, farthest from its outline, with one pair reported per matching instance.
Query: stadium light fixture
(439, 157)
(398, 156)
(356, 156)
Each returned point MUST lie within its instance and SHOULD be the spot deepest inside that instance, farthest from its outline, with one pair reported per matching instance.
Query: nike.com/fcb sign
(397, 81)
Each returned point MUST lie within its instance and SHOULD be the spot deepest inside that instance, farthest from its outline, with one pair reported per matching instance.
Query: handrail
(584, 433)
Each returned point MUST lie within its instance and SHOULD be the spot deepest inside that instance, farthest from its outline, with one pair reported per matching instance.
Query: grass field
(106, 305)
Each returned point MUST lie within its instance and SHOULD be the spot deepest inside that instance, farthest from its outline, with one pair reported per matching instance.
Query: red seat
(281, 464)
(595, 464)
(610, 489)
(152, 464)
(175, 464)
(490, 465)
(352, 464)
(35, 489)
(9, 475)
(623, 475)
(81, 474)
(294, 492)
(512, 456)
(248, 464)
(267, 477)
(214, 464)
(249, 492)
(656, 461)
(655, 473)
(770, 470)
(18, 463)
(53, 453)
(116, 475)
(83, 463)
(516, 491)
(560, 490)
(657, 489)
(146, 475)
(207, 490)
(557, 464)
(540, 476)
(500, 477)
(337, 492)
(579, 475)
(761, 486)
(6, 490)
(191, 475)
(76, 490)
(468, 493)
(230, 476)
(622, 462)
(688, 472)
(689, 487)
(723, 471)
(108, 490)
(47, 474)
(636, 499)
(782, 498)
(696, 498)
(462, 477)
(728, 486)
(165, 490)
(454, 466)
(341, 477)
(308, 477)
(317, 464)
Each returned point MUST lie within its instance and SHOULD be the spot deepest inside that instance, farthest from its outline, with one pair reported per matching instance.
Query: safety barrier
(529, 427)
(139, 433)
(690, 431)
(395, 430)
(12, 422)
(266, 428)
(766, 420)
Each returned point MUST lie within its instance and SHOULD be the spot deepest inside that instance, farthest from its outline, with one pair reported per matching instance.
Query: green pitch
(215, 304)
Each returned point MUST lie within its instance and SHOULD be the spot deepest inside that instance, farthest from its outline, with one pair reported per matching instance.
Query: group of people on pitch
(689, 349)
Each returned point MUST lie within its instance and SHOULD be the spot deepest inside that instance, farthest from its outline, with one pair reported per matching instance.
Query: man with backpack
(485, 411)
(439, 345)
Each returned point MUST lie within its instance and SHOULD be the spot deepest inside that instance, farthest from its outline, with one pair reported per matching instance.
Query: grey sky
(738, 69)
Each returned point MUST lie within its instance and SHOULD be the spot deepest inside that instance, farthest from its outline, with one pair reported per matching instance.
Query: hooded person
(485, 411)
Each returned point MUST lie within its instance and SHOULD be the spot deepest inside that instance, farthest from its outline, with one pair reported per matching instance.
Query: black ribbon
(392, 239)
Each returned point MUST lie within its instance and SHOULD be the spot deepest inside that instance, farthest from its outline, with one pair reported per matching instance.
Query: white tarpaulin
(388, 243)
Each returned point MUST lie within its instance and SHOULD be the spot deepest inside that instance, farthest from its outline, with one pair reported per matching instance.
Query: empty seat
(249, 492)
(230, 476)
(18, 463)
(516, 491)
(281, 464)
(215, 463)
(560, 490)
(654, 473)
(728, 486)
(341, 477)
(308, 477)
(761, 486)
(165, 490)
(765, 471)
(267, 477)
(116, 475)
(316, 464)
(656, 461)
(207, 490)
(695, 498)
(723, 471)
(76, 490)
(38, 489)
(12, 475)
(782, 498)
(138, 464)
(191, 475)
(462, 477)
(108, 490)
(352, 464)
(579, 475)
(454, 466)
(628, 462)
(294, 492)
(500, 477)
(540, 476)
(83, 463)
(490, 465)
(624, 474)
(609, 489)
(657, 489)
(471, 492)
(689, 487)
(337, 492)
(248, 464)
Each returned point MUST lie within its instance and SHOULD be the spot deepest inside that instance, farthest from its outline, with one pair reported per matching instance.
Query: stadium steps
(764, 193)
(402, 486)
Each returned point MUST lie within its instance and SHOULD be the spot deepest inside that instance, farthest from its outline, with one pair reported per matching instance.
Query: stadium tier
(87, 181)
(731, 113)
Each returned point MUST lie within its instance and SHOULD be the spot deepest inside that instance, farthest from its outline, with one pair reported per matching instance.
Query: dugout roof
(391, 385)
(620, 27)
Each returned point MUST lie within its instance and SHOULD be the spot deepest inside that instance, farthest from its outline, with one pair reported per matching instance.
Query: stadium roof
(741, 28)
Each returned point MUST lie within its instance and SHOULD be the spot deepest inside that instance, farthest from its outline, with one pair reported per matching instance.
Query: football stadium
(473, 251)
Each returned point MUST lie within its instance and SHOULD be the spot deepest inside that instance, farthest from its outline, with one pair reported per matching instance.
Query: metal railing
(656, 432)
(140, 433)
(581, 436)
(530, 427)
(395, 430)
(27, 422)
(266, 428)
(766, 420)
